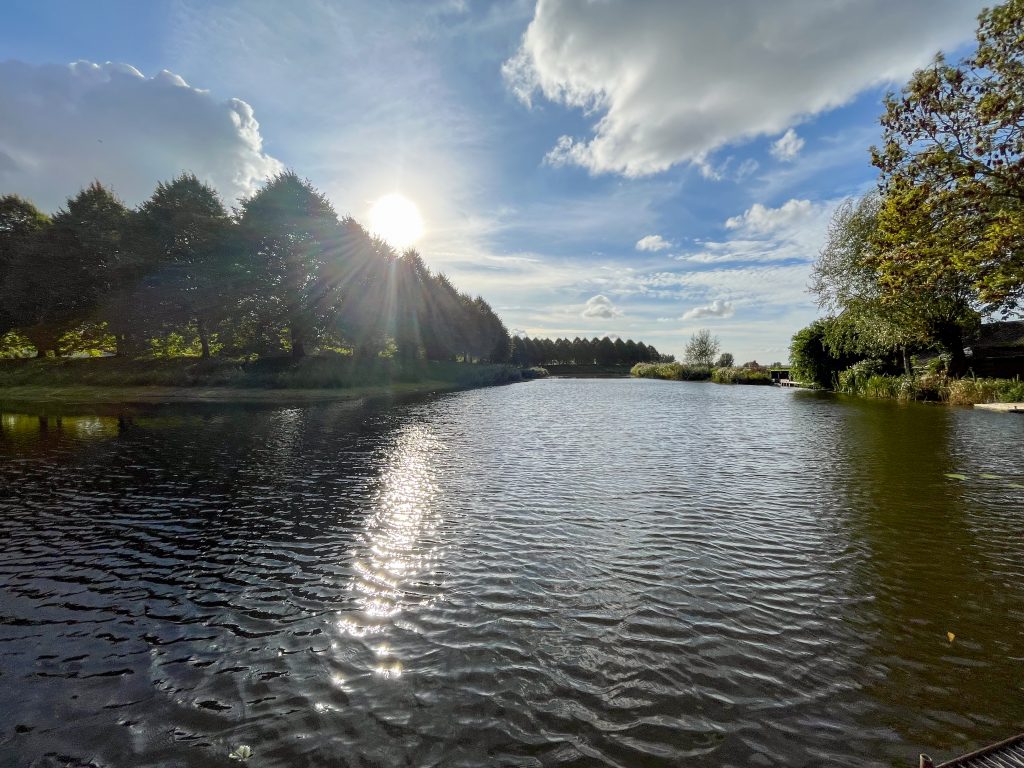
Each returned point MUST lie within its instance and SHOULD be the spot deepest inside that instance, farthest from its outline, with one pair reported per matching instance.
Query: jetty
(1001, 407)
(1005, 754)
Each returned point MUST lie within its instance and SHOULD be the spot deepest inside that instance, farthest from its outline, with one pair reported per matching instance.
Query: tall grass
(671, 371)
(319, 372)
(740, 376)
(930, 386)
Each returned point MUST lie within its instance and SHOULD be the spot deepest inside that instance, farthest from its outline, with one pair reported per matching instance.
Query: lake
(566, 572)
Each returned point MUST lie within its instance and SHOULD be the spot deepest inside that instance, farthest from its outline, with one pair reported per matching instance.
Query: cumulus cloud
(794, 232)
(717, 308)
(760, 219)
(671, 81)
(653, 243)
(600, 306)
(65, 126)
(787, 147)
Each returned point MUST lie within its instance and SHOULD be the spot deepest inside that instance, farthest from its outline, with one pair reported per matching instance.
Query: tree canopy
(181, 275)
(952, 163)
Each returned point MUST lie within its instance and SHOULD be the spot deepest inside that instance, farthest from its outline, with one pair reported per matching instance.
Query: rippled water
(564, 572)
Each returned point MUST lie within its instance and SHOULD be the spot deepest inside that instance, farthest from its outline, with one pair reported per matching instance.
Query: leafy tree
(605, 352)
(702, 348)
(185, 233)
(953, 151)
(290, 230)
(620, 352)
(811, 359)
(725, 360)
(20, 226)
(95, 232)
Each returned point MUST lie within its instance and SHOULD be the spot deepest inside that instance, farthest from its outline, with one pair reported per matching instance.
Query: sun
(396, 220)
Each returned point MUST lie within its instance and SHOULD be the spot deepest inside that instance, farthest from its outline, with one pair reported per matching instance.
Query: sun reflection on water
(395, 572)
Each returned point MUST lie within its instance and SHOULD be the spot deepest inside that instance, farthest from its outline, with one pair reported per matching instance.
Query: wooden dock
(791, 383)
(1002, 407)
(1005, 754)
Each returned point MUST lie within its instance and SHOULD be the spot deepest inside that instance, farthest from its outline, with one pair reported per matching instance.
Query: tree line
(914, 266)
(282, 274)
(579, 351)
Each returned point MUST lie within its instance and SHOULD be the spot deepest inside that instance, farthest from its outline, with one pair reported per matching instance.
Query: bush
(854, 379)
(671, 371)
(741, 376)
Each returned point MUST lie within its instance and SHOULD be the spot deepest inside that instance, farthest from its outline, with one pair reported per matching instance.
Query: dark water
(565, 572)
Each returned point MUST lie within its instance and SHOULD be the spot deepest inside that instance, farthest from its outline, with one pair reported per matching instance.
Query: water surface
(566, 572)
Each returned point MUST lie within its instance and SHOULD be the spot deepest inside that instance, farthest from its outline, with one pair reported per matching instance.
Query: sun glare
(397, 220)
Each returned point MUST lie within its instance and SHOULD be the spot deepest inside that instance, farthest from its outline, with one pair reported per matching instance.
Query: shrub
(854, 379)
(740, 376)
(672, 371)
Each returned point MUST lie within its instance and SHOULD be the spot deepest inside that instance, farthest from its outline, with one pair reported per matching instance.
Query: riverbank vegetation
(689, 372)
(907, 273)
(312, 372)
(699, 366)
(251, 293)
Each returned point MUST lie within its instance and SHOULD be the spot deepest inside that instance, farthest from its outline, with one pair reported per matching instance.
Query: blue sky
(642, 168)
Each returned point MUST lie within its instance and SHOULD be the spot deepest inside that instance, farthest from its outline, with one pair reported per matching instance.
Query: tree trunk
(951, 337)
(298, 347)
(204, 339)
(907, 369)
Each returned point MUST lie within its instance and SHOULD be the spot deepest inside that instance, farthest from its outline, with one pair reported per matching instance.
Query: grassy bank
(932, 387)
(684, 372)
(104, 379)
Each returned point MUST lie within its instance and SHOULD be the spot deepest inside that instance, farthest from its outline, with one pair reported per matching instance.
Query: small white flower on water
(242, 752)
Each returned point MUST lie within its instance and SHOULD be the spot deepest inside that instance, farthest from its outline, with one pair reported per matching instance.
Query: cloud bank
(674, 80)
(65, 126)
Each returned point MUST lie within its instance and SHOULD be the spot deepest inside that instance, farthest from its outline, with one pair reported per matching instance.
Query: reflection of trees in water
(924, 573)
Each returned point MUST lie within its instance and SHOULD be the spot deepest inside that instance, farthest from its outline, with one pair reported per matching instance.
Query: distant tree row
(579, 351)
(281, 274)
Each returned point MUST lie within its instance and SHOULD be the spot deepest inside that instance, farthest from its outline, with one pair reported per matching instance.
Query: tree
(95, 232)
(290, 231)
(953, 149)
(871, 320)
(702, 348)
(811, 359)
(184, 231)
(20, 226)
(725, 360)
(604, 351)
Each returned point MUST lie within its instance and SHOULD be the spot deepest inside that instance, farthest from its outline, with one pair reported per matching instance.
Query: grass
(191, 378)
(671, 371)
(931, 387)
(740, 376)
(685, 372)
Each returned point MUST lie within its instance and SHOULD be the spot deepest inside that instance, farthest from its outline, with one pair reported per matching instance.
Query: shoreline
(157, 395)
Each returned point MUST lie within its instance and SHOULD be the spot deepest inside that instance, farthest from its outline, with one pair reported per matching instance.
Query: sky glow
(641, 168)
(396, 220)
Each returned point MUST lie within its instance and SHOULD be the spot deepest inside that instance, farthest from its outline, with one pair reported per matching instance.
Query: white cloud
(65, 126)
(600, 306)
(787, 147)
(717, 308)
(794, 232)
(759, 219)
(653, 243)
(671, 81)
